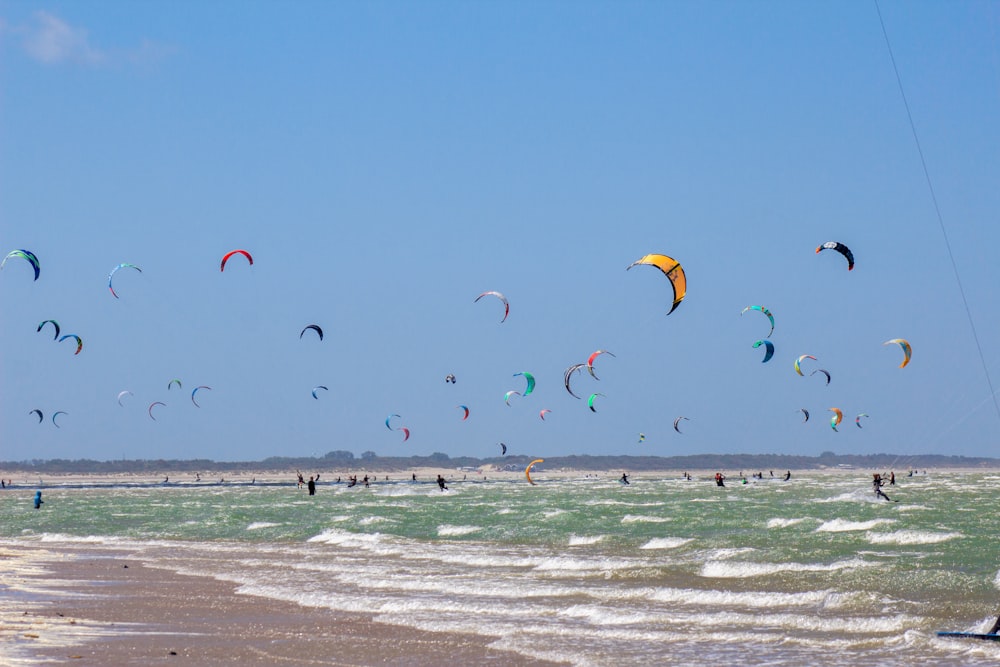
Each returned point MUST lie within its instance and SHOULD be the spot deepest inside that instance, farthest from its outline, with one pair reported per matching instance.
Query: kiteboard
(970, 635)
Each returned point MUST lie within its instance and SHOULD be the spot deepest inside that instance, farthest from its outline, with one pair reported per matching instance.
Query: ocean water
(812, 571)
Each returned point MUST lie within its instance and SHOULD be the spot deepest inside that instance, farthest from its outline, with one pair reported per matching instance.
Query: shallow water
(814, 571)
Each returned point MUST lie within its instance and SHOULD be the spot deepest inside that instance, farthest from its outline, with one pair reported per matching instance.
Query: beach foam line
(742, 570)
(666, 542)
(843, 525)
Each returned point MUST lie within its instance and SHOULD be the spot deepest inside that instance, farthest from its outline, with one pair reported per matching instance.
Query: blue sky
(387, 162)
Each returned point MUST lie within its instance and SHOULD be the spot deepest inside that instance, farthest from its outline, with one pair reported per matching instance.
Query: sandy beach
(89, 608)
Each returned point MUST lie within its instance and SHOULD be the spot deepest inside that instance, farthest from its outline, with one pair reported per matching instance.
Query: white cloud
(51, 40)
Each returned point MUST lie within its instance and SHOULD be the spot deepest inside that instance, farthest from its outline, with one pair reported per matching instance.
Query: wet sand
(91, 607)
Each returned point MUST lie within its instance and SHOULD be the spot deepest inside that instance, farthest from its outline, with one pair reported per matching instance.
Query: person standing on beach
(312, 486)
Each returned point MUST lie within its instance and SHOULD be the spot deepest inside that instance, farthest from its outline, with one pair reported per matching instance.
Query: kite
(506, 305)
(56, 414)
(541, 413)
(112, 275)
(466, 409)
(387, 422)
(798, 368)
(40, 416)
(195, 391)
(857, 420)
(25, 255)
(590, 401)
(79, 342)
(768, 349)
(317, 388)
(835, 419)
(907, 350)
(842, 249)
(672, 269)
(642, 437)
(503, 449)
(567, 374)
(806, 413)
(531, 382)
(54, 324)
(506, 397)
(527, 471)
(677, 423)
(449, 378)
(153, 405)
(824, 372)
(406, 433)
(764, 310)
(171, 384)
(121, 395)
(314, 327)
(590, 362)
(225, 258)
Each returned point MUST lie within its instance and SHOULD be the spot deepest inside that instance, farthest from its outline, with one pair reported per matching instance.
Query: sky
(385, 163)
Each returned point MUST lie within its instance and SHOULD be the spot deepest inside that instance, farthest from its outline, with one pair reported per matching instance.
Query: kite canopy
(79, 341)
(672, 269)
(25, 255)
(527, 471)
(225, 258)
(764, 310)
(907, 350)
(506, 304)
(195, 391)
(798, 362)
(54, 324)
(590, 401)
(112, 275)
(842, 249)
(314, 327)
(567, 374)
(677, 423)
(530, 380)
(838, 415)
(768, 347)
(464, 408)
(590, 361)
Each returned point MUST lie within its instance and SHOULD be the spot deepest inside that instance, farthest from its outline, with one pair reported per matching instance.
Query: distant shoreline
(343, 463)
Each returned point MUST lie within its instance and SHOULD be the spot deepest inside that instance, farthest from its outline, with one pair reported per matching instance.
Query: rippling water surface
(814, 571)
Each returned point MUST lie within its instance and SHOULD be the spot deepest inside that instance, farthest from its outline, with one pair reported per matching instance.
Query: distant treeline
(345, 460)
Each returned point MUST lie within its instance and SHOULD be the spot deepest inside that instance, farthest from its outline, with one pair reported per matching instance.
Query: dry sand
(95, 608)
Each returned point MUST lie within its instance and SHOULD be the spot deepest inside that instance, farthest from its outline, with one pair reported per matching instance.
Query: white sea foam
(455, 531)
(584, 540)
(742, 570)
(843, 526)
(783, 523)
(370, 520)
(910, 537)
(752, 599)
(666, 542)
(641, 518)
(257, 525)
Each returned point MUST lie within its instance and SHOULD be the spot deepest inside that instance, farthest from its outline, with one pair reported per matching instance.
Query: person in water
(312, 486)
(995, 628)
(38, 499)
(877, 483)
(720, 479)
(440, 481)
(624, 479)
(788, 475)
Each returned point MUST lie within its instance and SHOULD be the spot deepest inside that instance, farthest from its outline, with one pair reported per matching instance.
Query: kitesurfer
(312, 486)
(892, 478)
(788, 475)
(877, 483)
(720, 479)
(624, 479)
(38, 499)
(440, 482)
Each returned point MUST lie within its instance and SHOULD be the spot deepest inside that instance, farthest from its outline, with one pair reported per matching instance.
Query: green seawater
(815, 570)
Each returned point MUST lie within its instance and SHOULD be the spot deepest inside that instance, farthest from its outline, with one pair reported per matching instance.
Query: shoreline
(107, 607)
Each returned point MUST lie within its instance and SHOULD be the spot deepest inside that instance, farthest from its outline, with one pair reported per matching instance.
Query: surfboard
(970, 635)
